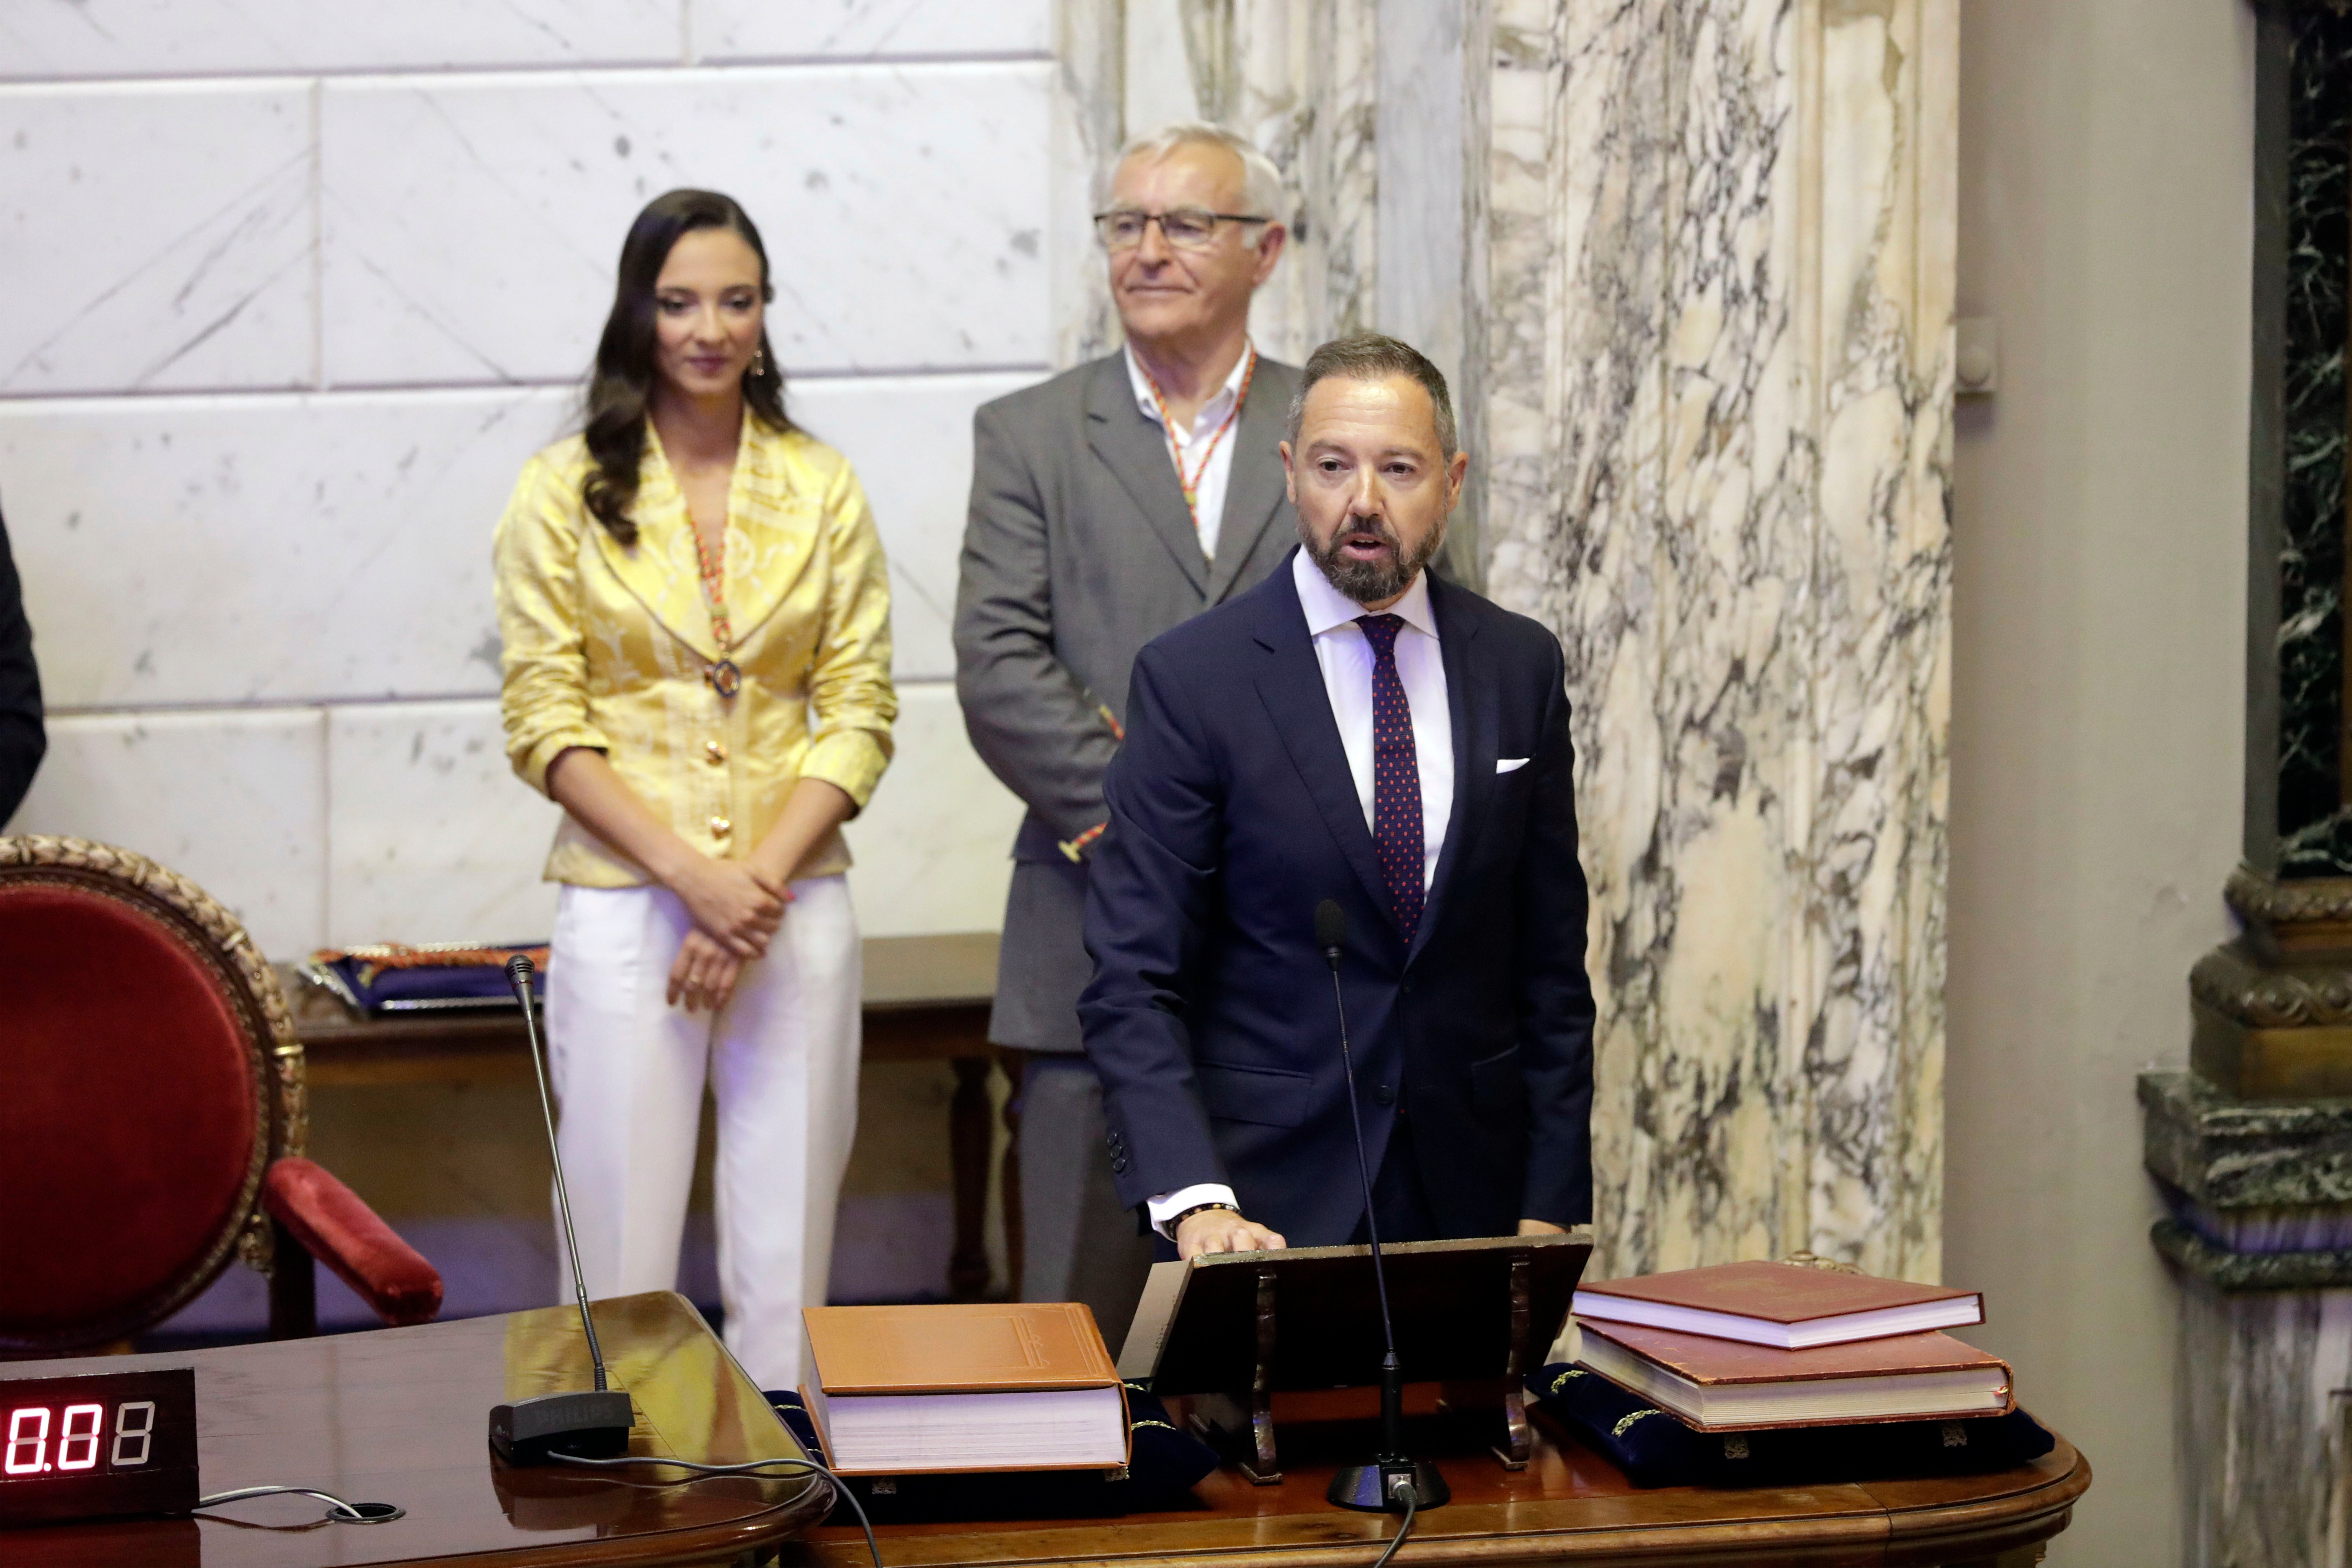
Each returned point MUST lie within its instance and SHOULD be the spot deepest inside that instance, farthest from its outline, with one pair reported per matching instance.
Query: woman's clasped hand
(737, 910)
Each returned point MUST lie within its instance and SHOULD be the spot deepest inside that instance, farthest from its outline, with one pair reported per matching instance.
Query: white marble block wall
(1717, 406)
(299, 288)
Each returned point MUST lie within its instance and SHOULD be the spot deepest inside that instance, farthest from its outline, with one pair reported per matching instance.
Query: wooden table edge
(700, 1545)
(1858, 1538)
(1876, 1532)
(1981, 1527)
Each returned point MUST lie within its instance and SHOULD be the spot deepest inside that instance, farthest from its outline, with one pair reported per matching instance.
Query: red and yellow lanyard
(1192, 481)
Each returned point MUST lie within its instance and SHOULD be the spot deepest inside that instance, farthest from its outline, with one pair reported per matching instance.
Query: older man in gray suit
(1107, 505)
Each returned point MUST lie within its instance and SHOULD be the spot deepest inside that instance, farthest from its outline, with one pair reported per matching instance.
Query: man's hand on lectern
(1541, 1227)
(1222, 1230)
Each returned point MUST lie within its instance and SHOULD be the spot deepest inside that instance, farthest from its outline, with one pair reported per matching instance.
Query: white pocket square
(1509, 764)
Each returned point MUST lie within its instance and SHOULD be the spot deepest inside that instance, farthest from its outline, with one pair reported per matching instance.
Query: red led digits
(28, 1452)
(92, 1416)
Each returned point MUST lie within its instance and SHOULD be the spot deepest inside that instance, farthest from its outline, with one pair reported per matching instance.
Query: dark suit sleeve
(1151, 897)
(23, 740)
(1035, 726)
(1555, 996)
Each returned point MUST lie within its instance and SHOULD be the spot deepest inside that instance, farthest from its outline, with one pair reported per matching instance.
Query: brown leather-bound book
(1723, 1385)
(1785, 1305)
(908, 1390)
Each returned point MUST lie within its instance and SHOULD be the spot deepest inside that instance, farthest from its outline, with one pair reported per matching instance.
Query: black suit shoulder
(1246, 618)
(1518, 637)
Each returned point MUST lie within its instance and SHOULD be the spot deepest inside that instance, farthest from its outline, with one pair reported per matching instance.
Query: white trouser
(629, 1073)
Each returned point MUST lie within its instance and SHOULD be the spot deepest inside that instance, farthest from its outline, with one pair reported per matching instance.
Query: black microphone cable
(337, 1510)
(751, 1468)
(1404, 1527)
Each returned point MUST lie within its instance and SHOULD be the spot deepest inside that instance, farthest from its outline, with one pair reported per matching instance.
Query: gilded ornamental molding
(2227, 980)
(2262, 900)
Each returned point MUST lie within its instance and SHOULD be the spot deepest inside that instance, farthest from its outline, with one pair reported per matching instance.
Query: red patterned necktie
(1396, 775)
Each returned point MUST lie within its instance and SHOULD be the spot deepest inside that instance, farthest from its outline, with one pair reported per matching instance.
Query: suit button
(1406, 988)
(1119, 1166)
(713, 751)
(720, 828)
(1384, 1093)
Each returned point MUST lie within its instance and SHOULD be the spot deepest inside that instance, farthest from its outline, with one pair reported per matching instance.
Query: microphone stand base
(546, 1426)
(1372, 1487)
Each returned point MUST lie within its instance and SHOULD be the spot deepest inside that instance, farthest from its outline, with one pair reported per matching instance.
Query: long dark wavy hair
(621, 388)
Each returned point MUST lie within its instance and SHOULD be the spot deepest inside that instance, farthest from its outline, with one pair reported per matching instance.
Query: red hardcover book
(1723, 1385)
(1785, 1305)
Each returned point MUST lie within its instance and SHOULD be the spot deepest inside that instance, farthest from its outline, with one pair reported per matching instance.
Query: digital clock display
(88, 1448)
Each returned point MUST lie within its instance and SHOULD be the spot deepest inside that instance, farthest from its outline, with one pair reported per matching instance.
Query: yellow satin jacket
(607, 646)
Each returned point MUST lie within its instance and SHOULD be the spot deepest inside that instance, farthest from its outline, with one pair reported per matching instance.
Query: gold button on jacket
(606, 645)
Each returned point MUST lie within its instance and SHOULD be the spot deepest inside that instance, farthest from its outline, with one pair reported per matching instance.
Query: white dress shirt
(1209, 491)
(1346, 658)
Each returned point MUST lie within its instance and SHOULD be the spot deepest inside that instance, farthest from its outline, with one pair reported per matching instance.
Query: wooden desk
(1568, 1506)
(927, 999)
(399, 1415)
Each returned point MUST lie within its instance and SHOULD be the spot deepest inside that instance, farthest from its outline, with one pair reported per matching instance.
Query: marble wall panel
(934, 845)
(155, 236)
(1716, 405)
(762, 30)
(430, 835)
(1422, 124)
(337, 545)
(235, 801)
(903, 208)
(266, 548)
(55, 39)
(910, 440)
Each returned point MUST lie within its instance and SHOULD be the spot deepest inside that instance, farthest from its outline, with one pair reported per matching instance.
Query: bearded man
(1353, 729)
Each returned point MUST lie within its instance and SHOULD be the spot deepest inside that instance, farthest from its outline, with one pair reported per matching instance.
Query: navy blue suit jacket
(1210, 1016)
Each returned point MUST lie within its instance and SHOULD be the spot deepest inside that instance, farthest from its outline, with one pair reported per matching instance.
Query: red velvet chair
(153, 1115)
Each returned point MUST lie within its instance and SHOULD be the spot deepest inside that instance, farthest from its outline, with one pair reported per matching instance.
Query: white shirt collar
(1213, 412)
(1327, 608)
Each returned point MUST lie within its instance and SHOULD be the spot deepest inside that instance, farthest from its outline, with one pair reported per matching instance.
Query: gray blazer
(1080, 551)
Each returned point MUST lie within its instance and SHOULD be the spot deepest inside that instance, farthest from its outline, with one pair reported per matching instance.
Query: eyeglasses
(1187, 228)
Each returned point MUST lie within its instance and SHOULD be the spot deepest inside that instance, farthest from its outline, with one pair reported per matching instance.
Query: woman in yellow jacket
(698, 669)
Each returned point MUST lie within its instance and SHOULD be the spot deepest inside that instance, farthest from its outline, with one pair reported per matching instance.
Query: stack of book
(1749, 1346)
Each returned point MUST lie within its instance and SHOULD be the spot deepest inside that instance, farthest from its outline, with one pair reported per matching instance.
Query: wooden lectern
(1239, 1327)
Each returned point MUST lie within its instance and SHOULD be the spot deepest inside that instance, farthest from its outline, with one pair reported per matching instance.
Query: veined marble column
(1717, 398)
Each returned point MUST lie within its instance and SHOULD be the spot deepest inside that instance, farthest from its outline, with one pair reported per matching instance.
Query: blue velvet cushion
(1655, 1450)
(1163, 1466)
(395, 980)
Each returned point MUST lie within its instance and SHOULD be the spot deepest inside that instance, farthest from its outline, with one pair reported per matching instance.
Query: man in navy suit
(1354, 729)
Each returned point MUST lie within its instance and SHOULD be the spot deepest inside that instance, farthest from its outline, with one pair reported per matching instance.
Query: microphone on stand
(1392, 1483)
(547, 1426)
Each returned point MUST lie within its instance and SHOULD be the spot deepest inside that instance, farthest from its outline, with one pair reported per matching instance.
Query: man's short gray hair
(1261, 181)
(1369, 356)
